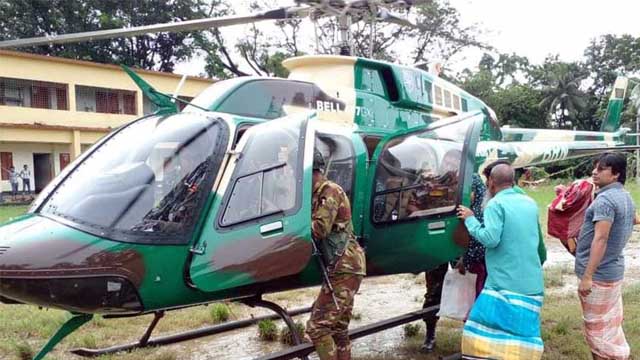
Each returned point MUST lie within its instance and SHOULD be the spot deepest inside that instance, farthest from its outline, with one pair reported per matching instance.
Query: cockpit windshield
(145, 183)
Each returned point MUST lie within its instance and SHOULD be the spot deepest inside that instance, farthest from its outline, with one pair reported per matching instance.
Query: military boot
(344, 349)
(430, 339)
(326, 348)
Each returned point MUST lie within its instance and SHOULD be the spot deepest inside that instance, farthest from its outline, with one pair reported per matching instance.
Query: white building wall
(23, 154)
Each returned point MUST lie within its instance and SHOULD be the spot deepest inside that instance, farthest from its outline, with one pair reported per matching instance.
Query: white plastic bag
(458, 295)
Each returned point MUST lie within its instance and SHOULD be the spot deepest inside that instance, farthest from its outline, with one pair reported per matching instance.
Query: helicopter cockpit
(263, 98)
(147, 179)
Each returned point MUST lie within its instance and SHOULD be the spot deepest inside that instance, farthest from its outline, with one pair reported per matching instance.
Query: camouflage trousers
(434, 280)
(328, 326)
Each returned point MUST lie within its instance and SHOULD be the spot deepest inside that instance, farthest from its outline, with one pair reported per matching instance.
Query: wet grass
(10, 211)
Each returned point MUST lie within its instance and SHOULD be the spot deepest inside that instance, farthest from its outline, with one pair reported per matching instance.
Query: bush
(287, 338)
(411, 330)
(220, 313)
(267, 330)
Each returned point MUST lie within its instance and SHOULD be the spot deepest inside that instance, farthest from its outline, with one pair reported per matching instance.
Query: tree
(30, 18)
(563, 98)
(517, 105)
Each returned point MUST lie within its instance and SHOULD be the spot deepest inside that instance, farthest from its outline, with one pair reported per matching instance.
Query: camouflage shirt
(331, 212)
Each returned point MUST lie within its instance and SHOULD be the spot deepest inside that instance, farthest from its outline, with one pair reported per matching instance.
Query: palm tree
(562, 96)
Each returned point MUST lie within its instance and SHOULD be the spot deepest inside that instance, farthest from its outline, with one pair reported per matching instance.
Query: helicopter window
(463, 103)
(268, 99)
(447, 98)
(265, 178)
(145, 183)
(240, 132)
(339, 157)
(428, 88)
(438, 92)
(456, 102)
(418, 175)
(371, 142)
(372, 81)
(390, 83)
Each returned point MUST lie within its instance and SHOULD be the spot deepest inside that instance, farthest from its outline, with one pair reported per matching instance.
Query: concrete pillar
(76, 148)
(72, 97)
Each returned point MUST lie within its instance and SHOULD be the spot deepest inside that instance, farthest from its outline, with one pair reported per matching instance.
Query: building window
(106, 101)
(6, 162)
(33, 94)
(148, 107)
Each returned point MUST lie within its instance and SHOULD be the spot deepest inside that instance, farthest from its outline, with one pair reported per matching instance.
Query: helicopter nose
(46, 263)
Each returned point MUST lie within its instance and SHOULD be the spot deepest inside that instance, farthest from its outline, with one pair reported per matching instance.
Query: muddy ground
(378, 299)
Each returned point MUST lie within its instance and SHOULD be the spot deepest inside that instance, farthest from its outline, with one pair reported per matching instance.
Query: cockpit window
(266, 180)
(269, 99)
(418, 175)
(147, 182)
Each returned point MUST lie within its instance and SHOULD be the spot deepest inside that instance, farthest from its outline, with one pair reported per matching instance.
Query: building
(52, 109)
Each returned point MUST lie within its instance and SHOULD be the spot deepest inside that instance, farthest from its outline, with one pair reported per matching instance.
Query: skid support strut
(258, 301)
(67, 328)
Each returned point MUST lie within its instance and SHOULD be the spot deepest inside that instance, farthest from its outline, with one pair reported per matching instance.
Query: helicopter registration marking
(363, 111)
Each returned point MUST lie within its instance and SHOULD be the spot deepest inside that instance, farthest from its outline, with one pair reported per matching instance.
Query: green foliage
(267, 330)
(411, 330)
(22, 350)
(517, 105)
(27, 18)
(285, 334)
(220, 312)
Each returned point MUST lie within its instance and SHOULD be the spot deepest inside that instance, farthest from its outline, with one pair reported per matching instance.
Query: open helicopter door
(419, 178)
(259, 226)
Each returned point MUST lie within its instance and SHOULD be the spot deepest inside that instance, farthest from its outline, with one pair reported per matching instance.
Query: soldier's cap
(318, 161)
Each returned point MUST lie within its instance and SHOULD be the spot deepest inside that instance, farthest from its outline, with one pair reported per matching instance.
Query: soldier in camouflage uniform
(333, 231)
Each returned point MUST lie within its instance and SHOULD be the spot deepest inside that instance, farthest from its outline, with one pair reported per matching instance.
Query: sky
(531, 28)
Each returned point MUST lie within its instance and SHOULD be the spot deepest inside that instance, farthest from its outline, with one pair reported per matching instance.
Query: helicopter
(184, 208)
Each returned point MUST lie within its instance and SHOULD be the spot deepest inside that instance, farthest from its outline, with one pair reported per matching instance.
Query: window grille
(33, 94)
(106, 101)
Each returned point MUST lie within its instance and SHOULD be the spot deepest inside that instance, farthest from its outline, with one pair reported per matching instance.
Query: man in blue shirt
(599, 264)
(509, 306)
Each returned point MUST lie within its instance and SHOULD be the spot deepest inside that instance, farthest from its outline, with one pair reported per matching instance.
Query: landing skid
(301, 350)
(306, 349)
(145, 341)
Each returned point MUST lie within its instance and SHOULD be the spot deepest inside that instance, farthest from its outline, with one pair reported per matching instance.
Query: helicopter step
(307, 348)
(145, 341)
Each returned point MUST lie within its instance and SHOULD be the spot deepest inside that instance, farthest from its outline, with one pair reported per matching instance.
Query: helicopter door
(419, 179)
(259, 228)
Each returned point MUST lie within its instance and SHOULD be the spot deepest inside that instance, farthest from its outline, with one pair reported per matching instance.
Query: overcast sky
(531, 28)
(536, 28)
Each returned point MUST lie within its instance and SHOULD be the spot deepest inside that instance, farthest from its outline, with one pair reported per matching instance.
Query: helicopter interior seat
(126, 195)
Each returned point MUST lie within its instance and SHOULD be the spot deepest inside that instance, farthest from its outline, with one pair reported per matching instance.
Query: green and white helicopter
(211, 203)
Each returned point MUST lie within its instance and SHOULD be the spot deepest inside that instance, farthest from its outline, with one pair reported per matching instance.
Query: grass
(24, 329)
(7, 212)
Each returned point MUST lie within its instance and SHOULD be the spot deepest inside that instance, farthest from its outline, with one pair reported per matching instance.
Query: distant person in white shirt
(25, 174)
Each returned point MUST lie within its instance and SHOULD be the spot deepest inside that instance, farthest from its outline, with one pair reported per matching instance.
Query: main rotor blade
(189, 25)
(385, 15)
